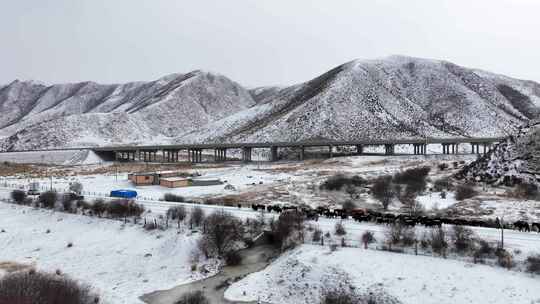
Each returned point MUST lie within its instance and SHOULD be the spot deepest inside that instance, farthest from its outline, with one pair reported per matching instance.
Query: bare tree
(197, 216)
(48, 199)
(18, 196)
(351, 190)
(222, 232)
(177, 213)
(462, 237)
(383, 191)
(288, 229)
(76, 187)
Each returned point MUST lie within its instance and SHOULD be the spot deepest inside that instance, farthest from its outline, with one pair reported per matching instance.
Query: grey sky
(258, 42)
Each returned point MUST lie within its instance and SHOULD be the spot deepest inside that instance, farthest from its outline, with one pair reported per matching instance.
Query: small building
(175, 182)
(142, 179)
(153, 178)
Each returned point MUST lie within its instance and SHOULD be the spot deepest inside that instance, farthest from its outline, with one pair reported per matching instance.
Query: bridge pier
(246, 154)
(476, 148)
(302, 152)
(330, 151)
(389, 149)
(220, 154)
(170, 156)
(273, 153)
(195, 155)
(359, 149)
(419, 149)
(450, 148)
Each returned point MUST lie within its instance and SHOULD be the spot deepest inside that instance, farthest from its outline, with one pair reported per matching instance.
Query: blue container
(124, 193)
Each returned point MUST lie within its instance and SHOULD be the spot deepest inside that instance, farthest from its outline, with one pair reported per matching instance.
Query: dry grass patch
(11, 267)
(9, 169)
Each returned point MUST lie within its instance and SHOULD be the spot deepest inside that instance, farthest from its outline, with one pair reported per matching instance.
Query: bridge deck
(301, 144)
(322, 143)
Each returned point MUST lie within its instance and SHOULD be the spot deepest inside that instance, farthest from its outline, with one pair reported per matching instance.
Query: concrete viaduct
(170, 153)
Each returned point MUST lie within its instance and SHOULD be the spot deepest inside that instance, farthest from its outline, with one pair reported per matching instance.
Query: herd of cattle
(365, 215)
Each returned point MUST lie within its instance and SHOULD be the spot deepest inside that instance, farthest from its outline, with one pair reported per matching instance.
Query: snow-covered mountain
(394, 97)
(90, 114)
(514, 160)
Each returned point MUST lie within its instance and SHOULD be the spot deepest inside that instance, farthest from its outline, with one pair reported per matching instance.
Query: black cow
(256, 207)
(312, 215)
(536, 226)
(522, 226)
(432, 222)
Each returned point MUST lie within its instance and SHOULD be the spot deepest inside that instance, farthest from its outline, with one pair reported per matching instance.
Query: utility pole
(500, 222)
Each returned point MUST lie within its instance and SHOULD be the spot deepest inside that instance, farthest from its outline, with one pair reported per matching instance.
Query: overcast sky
(271, 42)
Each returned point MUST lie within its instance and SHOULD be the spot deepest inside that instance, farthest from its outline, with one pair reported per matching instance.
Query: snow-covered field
(241, 177)
(295, 182)
(122, 261)
(300, 276)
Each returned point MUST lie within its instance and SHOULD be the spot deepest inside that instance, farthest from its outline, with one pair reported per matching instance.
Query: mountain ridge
(396, 96)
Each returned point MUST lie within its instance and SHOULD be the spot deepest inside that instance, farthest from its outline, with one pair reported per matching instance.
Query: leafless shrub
(484, 250)
(48, 199)
(383, 191)
(18, 196)
(124, 208)
(233, 258)
(177, 213)
(287, 231)
(99, 207)
(442, 166)
(464, 192)
(317, 234)
(397, 234)
(169, 197)
(67, 204)
(504, 258)
(443, 184)
(337, 182)
(340, 296)
(76, 187)
(197, 217)
(462, 238)
(533, 264)
(194, 297)
(438, 240)
(37, 287)
(339, 229)
(222, 232)
(83, 205)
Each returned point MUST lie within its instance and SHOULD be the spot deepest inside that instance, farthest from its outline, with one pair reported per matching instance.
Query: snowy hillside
(89, 114)
(394, 97)
(516, 159)
(301, 276)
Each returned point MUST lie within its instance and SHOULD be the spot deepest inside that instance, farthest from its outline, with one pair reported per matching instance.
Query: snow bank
(298, 277)
(49, 157)
(121, 261)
